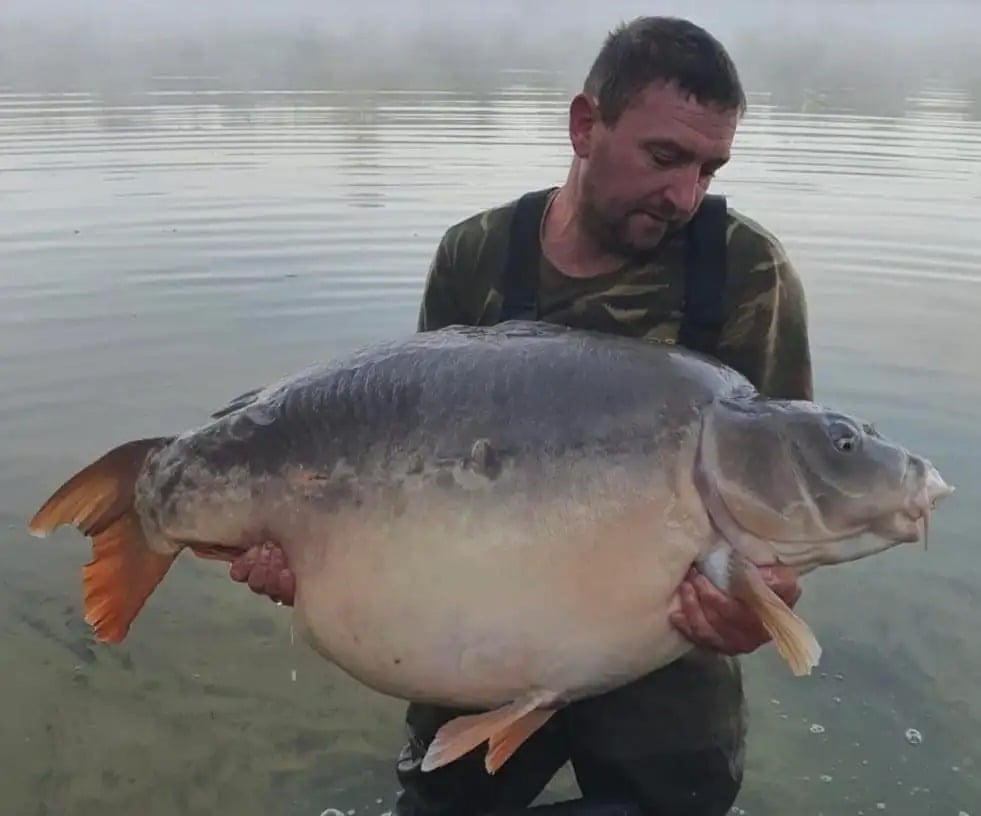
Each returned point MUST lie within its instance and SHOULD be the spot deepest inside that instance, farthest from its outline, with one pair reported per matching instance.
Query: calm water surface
(164, 251)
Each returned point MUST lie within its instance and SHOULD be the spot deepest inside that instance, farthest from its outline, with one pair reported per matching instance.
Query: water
(168, 247)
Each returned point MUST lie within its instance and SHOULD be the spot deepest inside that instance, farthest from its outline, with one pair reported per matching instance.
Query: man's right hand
(265, 570)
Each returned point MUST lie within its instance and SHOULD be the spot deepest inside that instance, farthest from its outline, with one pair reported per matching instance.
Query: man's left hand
(713, 620)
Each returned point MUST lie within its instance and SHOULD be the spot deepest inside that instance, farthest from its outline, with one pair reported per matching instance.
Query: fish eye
(844, 436)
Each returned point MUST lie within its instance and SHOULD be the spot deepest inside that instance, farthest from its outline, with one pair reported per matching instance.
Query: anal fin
(504, 743)
(505, 728)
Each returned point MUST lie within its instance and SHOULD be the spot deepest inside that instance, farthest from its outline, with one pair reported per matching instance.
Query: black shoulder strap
(705, 276)
(520, 282)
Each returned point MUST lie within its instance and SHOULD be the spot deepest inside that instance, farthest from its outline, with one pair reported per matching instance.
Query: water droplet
(825, 777)
(836, 699)
(332, 812)
(775, 701)
(913, 737)
(880, 805)
(293, 675)
(817, 728)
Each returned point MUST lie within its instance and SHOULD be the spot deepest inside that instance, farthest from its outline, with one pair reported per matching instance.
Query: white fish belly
(474, 604)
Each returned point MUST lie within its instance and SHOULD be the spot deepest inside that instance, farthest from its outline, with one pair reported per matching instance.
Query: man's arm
(766, 335)
(439, 307)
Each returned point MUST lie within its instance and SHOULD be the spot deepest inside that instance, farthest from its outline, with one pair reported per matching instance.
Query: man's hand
(713, 620)
(265, 570)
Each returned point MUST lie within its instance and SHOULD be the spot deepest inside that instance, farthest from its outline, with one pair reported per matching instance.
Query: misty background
(875, 50)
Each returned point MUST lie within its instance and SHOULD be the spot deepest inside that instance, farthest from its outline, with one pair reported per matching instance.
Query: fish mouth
(923, 488)
(911, 523)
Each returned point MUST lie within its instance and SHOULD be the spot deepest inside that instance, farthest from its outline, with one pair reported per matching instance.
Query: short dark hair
(646, 50)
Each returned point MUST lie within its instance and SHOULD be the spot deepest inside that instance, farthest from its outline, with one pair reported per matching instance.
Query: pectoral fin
(793, 637)
(505, 728)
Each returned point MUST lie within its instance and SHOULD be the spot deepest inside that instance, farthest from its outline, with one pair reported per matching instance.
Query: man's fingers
(783, 581)
(286, 588)
(277, 563)
(260, 572)
(737, 624)
(242, 566)
(702, 632)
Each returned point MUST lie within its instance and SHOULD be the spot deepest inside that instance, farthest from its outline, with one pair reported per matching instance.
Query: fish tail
(99, 502)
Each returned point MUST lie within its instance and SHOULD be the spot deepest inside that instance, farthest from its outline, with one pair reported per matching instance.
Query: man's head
(654, 121)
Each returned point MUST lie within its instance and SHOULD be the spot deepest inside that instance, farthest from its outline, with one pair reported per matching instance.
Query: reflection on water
(167, 249)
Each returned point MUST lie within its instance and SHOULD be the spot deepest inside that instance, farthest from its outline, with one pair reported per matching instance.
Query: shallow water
(166, 249)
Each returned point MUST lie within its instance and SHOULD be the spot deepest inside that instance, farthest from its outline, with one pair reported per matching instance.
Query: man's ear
(583, 121)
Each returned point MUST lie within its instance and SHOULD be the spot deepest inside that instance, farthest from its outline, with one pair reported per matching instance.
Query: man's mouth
(651, 216)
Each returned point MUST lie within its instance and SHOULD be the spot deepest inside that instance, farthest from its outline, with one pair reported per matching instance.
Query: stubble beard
(609, 232)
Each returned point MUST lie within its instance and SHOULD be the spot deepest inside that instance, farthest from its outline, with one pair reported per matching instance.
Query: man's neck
(568, 246)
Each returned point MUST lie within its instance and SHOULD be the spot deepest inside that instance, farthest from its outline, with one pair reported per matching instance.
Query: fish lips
(926, 488)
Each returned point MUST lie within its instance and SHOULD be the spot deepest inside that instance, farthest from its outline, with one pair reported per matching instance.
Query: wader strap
(705, 276)
(520, 283)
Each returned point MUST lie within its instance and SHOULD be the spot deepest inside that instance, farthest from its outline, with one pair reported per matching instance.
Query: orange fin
(793, 637)
(121, 576)
(506, 728)
(504, 743)
(98, 501)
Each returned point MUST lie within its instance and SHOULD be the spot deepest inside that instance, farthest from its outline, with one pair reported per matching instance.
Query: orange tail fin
(124, 571)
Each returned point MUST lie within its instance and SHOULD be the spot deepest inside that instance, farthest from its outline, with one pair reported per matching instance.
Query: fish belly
(474, 602)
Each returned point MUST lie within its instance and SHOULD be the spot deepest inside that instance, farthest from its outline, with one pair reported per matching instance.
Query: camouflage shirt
(764, 335)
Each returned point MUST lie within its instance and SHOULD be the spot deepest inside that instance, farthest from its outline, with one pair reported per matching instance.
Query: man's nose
(683, 190)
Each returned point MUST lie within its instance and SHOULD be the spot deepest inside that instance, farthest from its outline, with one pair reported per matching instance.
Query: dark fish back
(519, 385)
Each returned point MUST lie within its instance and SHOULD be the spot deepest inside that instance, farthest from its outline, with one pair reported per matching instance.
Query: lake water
(166, 249)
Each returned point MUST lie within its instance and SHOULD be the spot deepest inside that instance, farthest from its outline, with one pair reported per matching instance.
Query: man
(614, 249)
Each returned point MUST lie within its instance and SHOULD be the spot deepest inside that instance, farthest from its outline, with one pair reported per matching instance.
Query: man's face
(647, 174)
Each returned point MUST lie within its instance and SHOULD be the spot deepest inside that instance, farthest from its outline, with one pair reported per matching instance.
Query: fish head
(811, 481)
